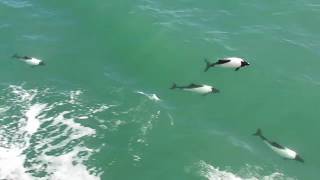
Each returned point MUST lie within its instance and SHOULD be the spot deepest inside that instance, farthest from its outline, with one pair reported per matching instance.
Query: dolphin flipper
(208, 65)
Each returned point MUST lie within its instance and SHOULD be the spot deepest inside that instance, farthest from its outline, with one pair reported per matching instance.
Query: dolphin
(196, 88)
(228, 62)
(279, 149)
(29, 60)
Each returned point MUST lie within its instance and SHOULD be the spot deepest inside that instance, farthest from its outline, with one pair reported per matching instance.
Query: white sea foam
(32, 122)
(83, 117)
(24, 152)
(101, 108)
(11, 164)
(22, 95)
(210, 172)
(68, 167)
(74, 96)
(78, 129)
(12, 144)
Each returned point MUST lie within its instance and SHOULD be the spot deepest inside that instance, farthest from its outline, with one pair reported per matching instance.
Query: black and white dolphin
(201, 89)
(228, 62)
(29, 60)
(281, 150)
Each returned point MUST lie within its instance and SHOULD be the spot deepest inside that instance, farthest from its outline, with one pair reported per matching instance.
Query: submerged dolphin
(29, 60)
(201, 89)
(281, 150)
(228, 62)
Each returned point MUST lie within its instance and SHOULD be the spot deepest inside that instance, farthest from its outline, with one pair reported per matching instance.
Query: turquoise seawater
(89, 113)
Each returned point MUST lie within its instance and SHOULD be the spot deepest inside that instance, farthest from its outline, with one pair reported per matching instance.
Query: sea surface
(91, 114)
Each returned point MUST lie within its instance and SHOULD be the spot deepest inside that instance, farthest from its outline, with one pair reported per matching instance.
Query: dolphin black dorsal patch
(277, 145)
(194, 86)
(27, 57)
(223, 61)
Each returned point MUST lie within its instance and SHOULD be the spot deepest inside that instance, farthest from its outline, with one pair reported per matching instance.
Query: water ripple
(16, 3)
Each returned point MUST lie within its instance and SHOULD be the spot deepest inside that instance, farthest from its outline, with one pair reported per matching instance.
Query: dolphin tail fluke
(16, 56)
(208, 65)
(258, 133)
(174, 85)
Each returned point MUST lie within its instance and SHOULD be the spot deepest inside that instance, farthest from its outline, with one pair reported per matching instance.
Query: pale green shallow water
(80, 116)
